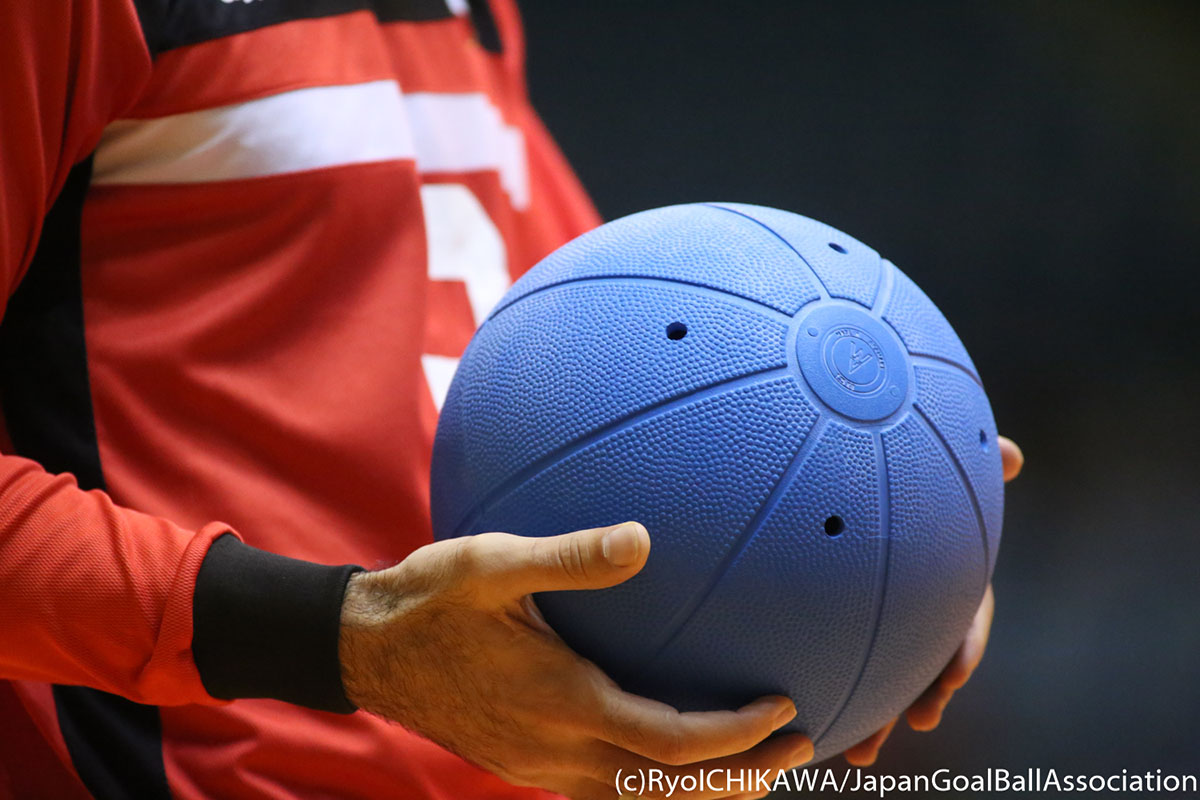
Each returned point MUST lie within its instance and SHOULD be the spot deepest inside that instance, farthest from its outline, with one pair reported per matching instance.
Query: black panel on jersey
(168, 24)
(485, 26)
(115, 744)
(43, 362)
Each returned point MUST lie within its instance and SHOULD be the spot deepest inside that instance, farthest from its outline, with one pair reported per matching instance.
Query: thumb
(587, 559)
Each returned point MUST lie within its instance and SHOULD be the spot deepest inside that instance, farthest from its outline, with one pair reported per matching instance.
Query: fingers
(971, 653)
(765, 759)
(926, 712)
(588, 559)
(865, 752)
(1011, 457)
(660, 733)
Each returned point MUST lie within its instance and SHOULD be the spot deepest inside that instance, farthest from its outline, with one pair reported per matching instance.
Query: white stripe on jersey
(317, 128)
(304, 129)
(464, 133)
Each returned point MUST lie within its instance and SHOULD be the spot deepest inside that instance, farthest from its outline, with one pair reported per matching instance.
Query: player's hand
(449, 644)
(926, 712)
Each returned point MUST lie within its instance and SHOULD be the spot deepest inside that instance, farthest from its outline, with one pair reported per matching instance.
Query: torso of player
(287, 243)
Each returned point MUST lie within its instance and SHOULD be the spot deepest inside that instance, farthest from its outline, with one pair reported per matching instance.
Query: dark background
(1035, 167)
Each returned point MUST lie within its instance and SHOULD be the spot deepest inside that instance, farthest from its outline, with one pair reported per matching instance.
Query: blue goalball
(795, 423)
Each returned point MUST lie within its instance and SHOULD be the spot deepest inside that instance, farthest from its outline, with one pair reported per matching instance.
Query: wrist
(370, 605)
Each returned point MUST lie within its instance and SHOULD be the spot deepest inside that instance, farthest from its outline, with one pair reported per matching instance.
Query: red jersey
(242, 243)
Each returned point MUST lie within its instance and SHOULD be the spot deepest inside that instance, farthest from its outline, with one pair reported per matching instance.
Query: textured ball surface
(795, 423)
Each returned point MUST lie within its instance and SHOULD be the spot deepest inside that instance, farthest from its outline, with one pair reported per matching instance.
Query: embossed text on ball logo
(854, 360)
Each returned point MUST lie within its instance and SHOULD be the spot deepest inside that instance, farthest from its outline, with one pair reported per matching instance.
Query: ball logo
(854, 360)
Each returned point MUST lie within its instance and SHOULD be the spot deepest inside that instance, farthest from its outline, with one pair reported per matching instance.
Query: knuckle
(602, 762)
(628, 736)
(466, 563)
(660, 736)
(466, 555)
(671, 747)
(474, 552)
(572, 558)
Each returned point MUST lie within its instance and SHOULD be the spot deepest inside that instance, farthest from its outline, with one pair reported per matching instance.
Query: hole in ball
(835, 525)
(837, 247)
(983, 439)
(676, 331)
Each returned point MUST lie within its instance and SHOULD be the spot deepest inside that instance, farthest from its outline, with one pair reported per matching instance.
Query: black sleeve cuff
(267, 626)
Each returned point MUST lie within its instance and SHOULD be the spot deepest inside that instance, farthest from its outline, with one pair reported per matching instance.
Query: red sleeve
(90, 593)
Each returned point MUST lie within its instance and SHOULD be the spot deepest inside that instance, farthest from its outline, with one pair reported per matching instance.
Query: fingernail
(785, 715)
(621, 544)
(801, 755)
(782, 710)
